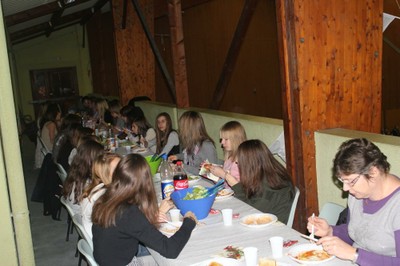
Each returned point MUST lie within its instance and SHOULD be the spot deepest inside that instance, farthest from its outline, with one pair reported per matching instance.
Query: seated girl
(167, 137)
(264, 183)
(103, 168)
(127, 214)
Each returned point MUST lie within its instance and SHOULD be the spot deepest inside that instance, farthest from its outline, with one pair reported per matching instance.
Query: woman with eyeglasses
(264, 183)
(371, 235)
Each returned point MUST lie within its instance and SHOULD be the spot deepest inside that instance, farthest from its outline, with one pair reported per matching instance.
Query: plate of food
(224, 194)
(309, 254)
(219, 262)
(169, 229)
(258, 220)
(232, 252)
(139, 150)
(193, 179)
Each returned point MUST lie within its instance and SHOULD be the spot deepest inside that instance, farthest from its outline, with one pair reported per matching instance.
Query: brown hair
(357, 156)
(235, 132)
(80, 171)
(101, 171)
(192, 131)
(162, 137)
(258, 165)
(132, 185)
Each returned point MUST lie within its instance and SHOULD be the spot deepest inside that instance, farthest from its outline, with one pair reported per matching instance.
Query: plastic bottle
(166, 174)
(180, 177)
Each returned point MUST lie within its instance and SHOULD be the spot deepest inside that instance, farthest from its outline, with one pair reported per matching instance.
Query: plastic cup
(128, 149)
(250, 255)
(276, 246)
(227, 216)
(174, 214)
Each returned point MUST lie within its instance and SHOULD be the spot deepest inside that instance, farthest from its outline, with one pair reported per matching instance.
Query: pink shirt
(233, 169)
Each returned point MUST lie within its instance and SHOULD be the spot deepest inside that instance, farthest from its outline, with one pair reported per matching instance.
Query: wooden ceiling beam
(161, 6)
(38, 11)
(42, 28)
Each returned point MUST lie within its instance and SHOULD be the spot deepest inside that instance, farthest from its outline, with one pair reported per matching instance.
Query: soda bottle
(166, 174)
(180, 177)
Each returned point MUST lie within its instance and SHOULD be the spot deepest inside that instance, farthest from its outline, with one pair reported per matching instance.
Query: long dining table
(209, 239)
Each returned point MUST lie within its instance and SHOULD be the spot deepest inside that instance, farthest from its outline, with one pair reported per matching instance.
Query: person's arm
(154, 239)
(151, 140)
(52, 131)
(173, 140)
(366, 258)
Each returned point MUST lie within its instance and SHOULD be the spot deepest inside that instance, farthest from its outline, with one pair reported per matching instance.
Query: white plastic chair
(86, 250)
(293, 208)
(330, 212)
(71, 214)
(62, 174)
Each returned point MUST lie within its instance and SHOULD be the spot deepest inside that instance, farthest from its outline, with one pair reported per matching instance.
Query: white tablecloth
(210, 239)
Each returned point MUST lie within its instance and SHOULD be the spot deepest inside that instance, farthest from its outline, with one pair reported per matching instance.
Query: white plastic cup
(128, 148)
(175, 215)
(227, 216)
(276, 246)
(250, 255)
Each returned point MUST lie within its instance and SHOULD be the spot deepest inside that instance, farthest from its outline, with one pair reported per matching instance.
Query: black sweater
(117, 245)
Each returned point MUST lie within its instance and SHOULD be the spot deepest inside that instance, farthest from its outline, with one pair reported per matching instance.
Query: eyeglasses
(350, 183)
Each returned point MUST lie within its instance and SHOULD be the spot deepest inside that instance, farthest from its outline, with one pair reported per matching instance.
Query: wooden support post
(331, 53)
(178, 53)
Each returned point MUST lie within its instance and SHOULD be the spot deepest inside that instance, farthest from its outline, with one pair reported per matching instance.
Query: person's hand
(217, 171)
(191, 215)
(143, 141)
(337, 247)
(321, 226)
(165, 205)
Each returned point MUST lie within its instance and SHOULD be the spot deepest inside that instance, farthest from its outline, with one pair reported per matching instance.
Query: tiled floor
(48, 235)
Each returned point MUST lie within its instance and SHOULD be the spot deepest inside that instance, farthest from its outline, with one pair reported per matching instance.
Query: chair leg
(77, 251)
(69, 228)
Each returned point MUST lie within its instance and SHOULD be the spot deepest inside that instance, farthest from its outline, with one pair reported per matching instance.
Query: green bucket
(153, 165)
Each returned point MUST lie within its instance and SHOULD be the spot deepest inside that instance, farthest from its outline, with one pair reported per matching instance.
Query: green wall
(64, 48)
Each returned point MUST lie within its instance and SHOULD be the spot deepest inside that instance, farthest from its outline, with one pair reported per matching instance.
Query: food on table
(313, 255)
(193, 177)
(233, 252)
(198, 192)
(289, 243)
(207, 166)
(224, 192)
(214, 263)
(257, 220)
(266, 262)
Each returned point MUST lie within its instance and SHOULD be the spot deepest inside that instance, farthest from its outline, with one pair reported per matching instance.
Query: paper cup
(175, 215)
(250, 255)
(227, 216)
(276, 246)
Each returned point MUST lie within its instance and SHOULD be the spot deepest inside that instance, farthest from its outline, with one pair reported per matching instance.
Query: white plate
(193, 179)
(224, 194)
(258, 220)
(223, 261)
(169, 229)
(296, 250)
(139, 150)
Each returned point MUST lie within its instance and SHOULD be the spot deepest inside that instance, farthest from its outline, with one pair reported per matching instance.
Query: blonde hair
(235, 132)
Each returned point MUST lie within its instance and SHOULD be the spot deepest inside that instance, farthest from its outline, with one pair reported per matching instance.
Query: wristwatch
(355, 256)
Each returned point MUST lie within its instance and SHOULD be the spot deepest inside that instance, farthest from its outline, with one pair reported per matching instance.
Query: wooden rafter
(233, 52)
